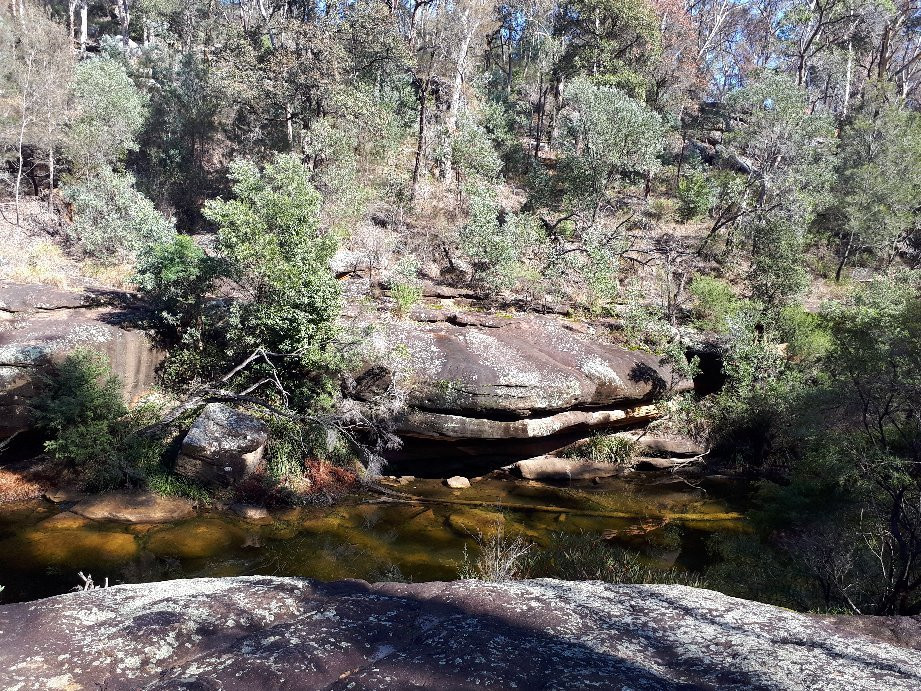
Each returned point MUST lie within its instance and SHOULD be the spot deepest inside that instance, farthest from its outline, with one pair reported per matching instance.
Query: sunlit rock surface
(467, 375)
(262, 633)
(223, 446)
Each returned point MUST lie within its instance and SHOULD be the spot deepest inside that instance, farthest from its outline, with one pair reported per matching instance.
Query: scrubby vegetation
(569, 556)
(91, 430)
(744, 176)
(604, 448)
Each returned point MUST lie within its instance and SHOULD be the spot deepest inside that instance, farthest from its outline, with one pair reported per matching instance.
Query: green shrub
(271, 245)
(661, 209)
(406, 295)
(695, 196)
(604, 448)
(715, 303)
(805, 333)
(406, 289)
(91, 429)
(496, 249)
(473, 152)
(112, 220)
(175, 277)
(286, 451)
(171, 485)
(750, 415)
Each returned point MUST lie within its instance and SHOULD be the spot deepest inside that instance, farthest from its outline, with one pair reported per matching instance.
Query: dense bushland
(744, 175)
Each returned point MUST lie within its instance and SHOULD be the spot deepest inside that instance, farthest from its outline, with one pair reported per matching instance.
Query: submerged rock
(66, 520)
(223, 446)
(196, 539)
(134, 507)
(476, 523)
(282, 633)
(57, 547)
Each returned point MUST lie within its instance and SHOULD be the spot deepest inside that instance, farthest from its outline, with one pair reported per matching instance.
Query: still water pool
(43, 546)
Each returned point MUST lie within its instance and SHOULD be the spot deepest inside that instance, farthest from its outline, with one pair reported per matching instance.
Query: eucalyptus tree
(110, 113)
(878, 183)
(608, 135)
(35, 65)
(786, 153)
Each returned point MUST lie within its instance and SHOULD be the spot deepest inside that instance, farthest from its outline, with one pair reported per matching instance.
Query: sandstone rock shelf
(279, 633)
(471, 375)
(39, 324)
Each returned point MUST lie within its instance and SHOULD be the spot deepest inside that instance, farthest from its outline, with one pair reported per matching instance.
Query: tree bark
(125, 16)
(848, 74)
(845, 254)
(420, 139)
(84, 23)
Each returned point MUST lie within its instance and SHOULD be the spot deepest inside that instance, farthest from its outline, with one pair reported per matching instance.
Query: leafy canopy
(271, 246)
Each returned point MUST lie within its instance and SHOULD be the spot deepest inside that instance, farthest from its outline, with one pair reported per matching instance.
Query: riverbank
(416, 530)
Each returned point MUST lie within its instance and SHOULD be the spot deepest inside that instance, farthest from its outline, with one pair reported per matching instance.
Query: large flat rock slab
(513, 366)
(33, 297)
(278, 633)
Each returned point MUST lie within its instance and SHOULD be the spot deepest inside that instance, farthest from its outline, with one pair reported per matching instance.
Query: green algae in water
(42, 547)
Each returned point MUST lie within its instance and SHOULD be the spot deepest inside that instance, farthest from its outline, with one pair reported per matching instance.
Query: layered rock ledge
(476, 376)
(282, 633)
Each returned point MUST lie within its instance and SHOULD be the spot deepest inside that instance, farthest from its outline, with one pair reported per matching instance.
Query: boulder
(664, 444)
(469, 375)
(551, 467)
(223, 446)
(518, 366)
(134, 507)
(457, 482)
(657, 463)
(282, 633)
(249, 512)
(40, 325)
(64, 496)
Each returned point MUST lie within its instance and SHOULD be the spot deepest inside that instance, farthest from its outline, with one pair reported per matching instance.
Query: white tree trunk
(71, 23)
(848, 75)
(84, 23)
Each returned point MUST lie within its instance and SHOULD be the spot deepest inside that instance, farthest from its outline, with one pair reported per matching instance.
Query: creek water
(43, 545)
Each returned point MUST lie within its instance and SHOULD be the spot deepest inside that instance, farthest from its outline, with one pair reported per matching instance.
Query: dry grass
(31, 253)
(321, 482)
(114, 275)
(42, 262)
(498, 557)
